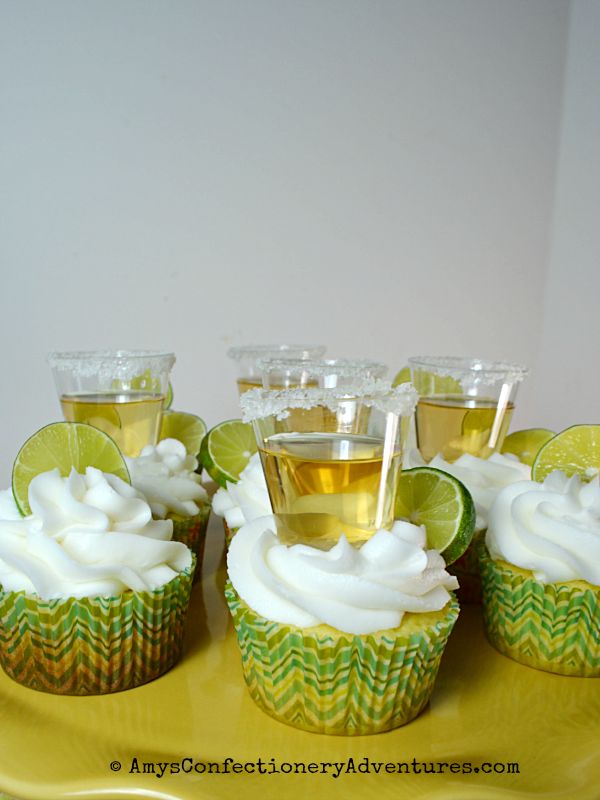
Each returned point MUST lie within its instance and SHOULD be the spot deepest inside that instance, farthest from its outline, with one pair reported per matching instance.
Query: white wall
(377, 175)
(568, 384)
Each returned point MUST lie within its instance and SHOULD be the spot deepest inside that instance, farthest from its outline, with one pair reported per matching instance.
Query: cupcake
(483, 478)
(243, 501)
(346, 641)
(93, 591)
(166, 476)
(540, 567)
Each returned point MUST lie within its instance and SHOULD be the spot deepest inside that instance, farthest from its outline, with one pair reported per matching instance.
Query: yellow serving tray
(487, 714)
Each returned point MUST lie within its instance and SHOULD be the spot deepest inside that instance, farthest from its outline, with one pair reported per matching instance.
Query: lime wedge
(479, 421)
(144, 382)
(169, 398)
(187, 428)
(429, 383)
(226, 449)
(476, 432)
(430, 497)
(525, 444)
(64, 445)
(402, 377)
(575, 450)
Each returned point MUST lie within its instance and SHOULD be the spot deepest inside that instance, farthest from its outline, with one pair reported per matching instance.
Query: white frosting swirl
(88, 535)
(552, 528)
(483, 477)
(246, 500)
(166, 476)
(353, 590)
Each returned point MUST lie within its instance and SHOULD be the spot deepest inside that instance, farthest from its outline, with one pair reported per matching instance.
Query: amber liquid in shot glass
(451, 425)
(131, 419)
(324, 484)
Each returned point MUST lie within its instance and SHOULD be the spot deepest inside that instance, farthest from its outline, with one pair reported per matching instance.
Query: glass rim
(102, 355)
(102, 364)
(260, 403)
(463, 366)
(346, 367)
(240, 352)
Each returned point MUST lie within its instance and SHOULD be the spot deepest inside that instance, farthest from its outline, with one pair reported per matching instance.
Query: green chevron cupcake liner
(93, 645)
(325, 681)
(549, 626)
(466, 569)
(192, 532)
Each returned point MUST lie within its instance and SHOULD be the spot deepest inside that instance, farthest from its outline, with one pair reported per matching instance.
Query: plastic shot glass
(246, 358)
(122, 392)
(331, 456)
(326, 373)
(465, 404)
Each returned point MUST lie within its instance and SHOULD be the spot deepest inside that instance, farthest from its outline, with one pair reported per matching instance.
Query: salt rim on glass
(254, 351)
(344, 367)
(470, 371)
(125, 364)
(260, 403)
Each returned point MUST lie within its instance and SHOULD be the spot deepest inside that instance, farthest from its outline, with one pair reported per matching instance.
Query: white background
(387, 177)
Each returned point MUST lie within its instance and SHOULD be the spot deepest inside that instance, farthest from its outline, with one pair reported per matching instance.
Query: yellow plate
(485, 710)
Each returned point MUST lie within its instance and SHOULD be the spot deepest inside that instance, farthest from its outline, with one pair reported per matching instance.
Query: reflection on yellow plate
(495, 730)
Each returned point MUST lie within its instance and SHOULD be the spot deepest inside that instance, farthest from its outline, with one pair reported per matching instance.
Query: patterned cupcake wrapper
(191, 531)
(329, 682)
(93, 645)
(553, 627)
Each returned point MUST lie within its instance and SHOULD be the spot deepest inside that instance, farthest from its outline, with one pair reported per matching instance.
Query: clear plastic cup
(465, 404)
(246, 358)
(280, 373)
(122, 392)
(331, 456)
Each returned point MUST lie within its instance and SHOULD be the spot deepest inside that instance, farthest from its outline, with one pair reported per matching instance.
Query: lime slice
(226, 449)
(64, 445)
(428, 383)
(187, 428)
(477, 427)
(169, 398)
(402, 377)
(144, 382)
(525, 444)
(479, 421)
(574, 451)
(430, 497)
